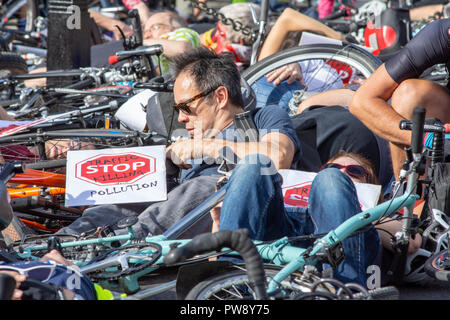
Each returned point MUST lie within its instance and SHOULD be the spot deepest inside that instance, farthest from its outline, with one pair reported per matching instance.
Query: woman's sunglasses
(353, 170)
(183, 106)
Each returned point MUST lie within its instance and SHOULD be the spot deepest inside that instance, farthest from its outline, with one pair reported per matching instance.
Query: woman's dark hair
(210, 70)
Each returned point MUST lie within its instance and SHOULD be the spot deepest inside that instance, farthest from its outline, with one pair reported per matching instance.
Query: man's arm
(369, 104)
(275, 145)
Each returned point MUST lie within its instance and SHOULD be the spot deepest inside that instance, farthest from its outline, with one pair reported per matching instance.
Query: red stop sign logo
(115, 169)
(298, 196)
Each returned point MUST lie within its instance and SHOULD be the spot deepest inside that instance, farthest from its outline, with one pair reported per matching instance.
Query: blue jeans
(269, 94)
(255, 201)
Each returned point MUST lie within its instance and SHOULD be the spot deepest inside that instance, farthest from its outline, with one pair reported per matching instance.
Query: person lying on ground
(392, 92)
(254, 200)
(207, 94)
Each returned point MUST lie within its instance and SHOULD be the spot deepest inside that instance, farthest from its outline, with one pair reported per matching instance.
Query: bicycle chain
(237, 26)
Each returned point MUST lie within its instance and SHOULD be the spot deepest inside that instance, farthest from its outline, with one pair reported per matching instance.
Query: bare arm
(291, 20)
(110, 24)
(389, 228)
(144, 12)
(369, 104)
(425, 11)
(340, 97)
(171, 47)
(277, 146)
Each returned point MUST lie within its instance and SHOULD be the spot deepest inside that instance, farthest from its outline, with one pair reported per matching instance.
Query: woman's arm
(291, 20)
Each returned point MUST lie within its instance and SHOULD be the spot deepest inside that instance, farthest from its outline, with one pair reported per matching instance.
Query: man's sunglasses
(353, 170)
(183, 106)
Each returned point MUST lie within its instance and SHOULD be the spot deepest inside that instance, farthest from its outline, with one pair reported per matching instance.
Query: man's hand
(56, 257)
(292, 72)
(184, 150)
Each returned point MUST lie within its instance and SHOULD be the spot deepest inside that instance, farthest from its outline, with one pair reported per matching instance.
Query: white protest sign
(132, 113)
(296, 186)
(110, 176)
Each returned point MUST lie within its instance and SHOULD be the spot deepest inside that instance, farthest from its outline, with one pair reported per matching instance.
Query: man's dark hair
(210, 70)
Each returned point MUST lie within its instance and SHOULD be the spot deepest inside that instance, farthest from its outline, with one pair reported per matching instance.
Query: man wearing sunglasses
(207, 95)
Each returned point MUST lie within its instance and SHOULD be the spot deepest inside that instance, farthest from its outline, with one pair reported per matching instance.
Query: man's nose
(182, 117)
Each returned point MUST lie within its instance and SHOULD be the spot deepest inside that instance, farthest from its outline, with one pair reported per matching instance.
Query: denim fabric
(153, 218)
(254, 201)
(269, 94)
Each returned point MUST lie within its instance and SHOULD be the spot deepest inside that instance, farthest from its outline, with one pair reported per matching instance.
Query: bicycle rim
(233, 285)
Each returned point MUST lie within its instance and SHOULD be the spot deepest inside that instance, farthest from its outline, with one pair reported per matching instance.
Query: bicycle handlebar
(264, 11)
(239, 241)
(418, 120)
(444, 128)
(158, 84)
(137, 28)
(125, 54)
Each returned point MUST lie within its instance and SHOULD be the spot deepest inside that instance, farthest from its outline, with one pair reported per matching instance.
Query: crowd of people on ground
(358, 138)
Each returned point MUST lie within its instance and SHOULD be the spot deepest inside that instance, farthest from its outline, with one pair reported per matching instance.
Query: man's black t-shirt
(337, 129)
(429, 47)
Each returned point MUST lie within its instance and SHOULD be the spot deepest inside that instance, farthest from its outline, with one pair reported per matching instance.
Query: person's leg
(332, 200)
(102, 216)
(269, 94)
(160, 216)
(413, 93)
(254, 200)
(107, 215)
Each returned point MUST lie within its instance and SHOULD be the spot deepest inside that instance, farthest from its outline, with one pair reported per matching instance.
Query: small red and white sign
(110, 176)
(297, 184)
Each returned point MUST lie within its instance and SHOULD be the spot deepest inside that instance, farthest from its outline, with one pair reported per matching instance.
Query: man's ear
(222, 97)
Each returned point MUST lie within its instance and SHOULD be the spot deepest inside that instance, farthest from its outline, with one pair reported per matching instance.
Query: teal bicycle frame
(279, 252)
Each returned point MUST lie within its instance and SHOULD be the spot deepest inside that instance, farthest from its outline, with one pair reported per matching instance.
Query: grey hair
(240, 12)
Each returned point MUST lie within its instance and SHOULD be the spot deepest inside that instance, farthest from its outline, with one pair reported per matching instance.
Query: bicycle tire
(436, 267)
(227, 286)
(341, 66)
(13, 62)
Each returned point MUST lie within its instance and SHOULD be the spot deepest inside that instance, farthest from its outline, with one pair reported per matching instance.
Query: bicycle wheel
(13, 62)
(324, 67)
(438, 266)
(234, 285)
